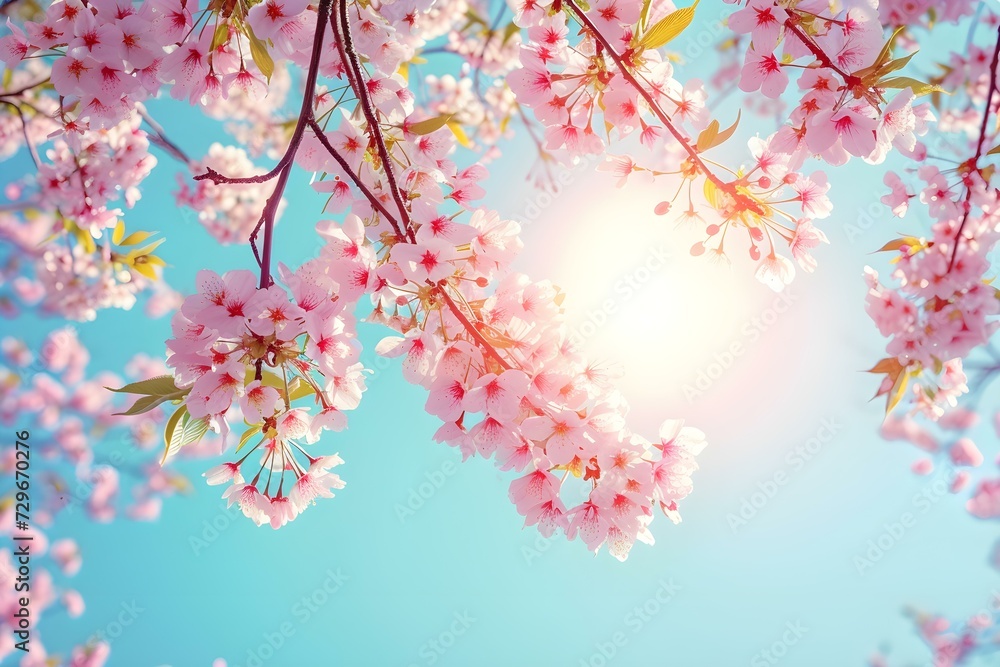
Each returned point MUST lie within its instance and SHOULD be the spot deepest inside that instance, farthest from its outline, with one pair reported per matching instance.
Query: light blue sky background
(463, 553)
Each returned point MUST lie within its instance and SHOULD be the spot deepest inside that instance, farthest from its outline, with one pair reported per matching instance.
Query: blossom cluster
(940, 304)
(260, 351)
(609, 79)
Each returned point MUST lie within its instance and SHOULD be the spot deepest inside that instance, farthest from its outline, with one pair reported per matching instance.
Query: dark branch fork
(307, 118)
(402, 226)
(973, 164)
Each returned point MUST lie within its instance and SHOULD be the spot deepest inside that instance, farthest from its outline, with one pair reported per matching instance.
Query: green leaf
(298, 389)
(185, 431)
(896, 65)
(258, 51)
(918, 87)
(429, 125)
(161, 385)
(220, 36)
(168, 430)
(668, 28)
(143, 404)
(245, 438)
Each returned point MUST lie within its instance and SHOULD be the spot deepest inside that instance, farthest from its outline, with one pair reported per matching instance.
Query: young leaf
(170, 428)
(511, 30)
(146, 270)
(134, 238)
(298, 389)
(258, 51)
(668, 28)
(186, 430)
(897, 391)
(220, 36)
(161, 385)
(711, 137)
(460, 135)
(429, 125)
(918, 87)
(245, 438)
(707, 136)
(896, 244)
(145, 250)
(142, 404)
(888, 365)
(728, 132)
(116, 236)
(711, 194)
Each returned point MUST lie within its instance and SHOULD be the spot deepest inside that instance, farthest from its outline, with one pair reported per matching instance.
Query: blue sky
(421, 560)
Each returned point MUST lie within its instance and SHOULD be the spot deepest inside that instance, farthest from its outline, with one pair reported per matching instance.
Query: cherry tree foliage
(262, 363)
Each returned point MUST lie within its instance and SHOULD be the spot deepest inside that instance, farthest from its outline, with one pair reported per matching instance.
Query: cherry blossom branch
(974, 162)
(371, 116)
(21, 91)
(268, 216)
(792, 25)
(471, 328)
(354, 177)
(159, 137)
(744, 201)
(284, 166)
(24, 128)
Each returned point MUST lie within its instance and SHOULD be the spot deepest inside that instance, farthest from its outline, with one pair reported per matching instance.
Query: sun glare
(637, 297)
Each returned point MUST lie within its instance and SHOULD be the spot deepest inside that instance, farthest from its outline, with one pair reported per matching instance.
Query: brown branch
(355, 178)
(471, 328)
(974, 162)
(729, 188)
(21, 91)
(24, 128)
(791, 23)
(159, 137)
(371, 116)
